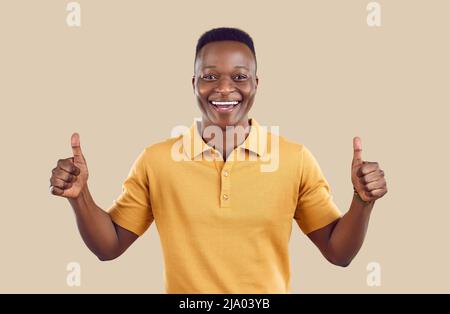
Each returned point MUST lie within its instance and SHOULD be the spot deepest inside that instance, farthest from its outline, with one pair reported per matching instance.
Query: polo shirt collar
(255, 142)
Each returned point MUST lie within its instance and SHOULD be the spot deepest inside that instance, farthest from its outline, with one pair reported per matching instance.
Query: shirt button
(225, 197)
(226, 173)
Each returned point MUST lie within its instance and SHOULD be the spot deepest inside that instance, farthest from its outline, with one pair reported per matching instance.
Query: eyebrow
(238, 67)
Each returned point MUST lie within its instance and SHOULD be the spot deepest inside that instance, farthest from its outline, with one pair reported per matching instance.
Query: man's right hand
(70, 175)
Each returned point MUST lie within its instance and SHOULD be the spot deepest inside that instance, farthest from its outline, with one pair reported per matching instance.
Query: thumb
(76, 148)
(357, 151)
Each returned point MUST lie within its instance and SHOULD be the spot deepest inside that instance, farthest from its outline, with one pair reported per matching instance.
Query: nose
(225, 86)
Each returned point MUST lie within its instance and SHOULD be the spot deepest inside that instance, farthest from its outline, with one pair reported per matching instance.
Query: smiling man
(224, 224)
(225, 84)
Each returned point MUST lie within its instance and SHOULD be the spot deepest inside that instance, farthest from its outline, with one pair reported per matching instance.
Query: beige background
(122, 81)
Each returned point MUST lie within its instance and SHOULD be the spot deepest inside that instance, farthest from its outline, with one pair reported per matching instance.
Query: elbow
(103, 257)
(344, 263)
(340, 261)
(339, 257)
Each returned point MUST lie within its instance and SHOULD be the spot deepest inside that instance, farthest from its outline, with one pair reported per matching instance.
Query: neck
(232, 136)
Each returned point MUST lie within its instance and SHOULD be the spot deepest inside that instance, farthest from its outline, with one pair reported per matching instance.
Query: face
(225, 83)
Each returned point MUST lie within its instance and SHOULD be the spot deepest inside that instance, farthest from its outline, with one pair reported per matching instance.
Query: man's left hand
(367, 177)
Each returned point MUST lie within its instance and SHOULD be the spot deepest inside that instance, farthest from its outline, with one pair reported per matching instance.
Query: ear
(193, 82)
(257, 81)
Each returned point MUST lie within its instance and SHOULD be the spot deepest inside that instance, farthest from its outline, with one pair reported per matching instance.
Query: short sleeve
(315, 206)
(132, 209)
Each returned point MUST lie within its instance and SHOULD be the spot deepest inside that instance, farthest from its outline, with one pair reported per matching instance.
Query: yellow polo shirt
(225, 226)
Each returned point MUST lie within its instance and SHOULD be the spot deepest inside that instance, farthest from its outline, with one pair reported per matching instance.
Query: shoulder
(286, 146)
(293, 153)
(162, 147)
(284, 152)
(160, 152)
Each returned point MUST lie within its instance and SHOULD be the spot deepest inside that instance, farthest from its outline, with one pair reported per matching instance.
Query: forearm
(348, 235)
(95, 226)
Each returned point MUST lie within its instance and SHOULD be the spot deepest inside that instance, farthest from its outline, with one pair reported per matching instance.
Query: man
(224, 224)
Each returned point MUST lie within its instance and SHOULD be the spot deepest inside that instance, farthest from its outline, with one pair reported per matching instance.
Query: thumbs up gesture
(70, 175)
(367, 177)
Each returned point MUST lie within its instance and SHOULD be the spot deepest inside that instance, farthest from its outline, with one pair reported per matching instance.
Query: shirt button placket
(225, 180)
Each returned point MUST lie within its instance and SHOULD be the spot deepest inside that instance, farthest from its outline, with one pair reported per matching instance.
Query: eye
(240, 77)
(209, 77)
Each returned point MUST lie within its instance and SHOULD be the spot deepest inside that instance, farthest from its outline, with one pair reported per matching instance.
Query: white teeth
(224, 103)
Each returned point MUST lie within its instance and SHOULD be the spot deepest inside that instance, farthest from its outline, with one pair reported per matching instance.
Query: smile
(224, 106)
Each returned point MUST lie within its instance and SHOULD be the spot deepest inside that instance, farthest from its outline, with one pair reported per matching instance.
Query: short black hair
(225, 33)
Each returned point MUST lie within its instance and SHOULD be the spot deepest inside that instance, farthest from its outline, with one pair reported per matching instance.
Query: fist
(70, 175)
(367, 177)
